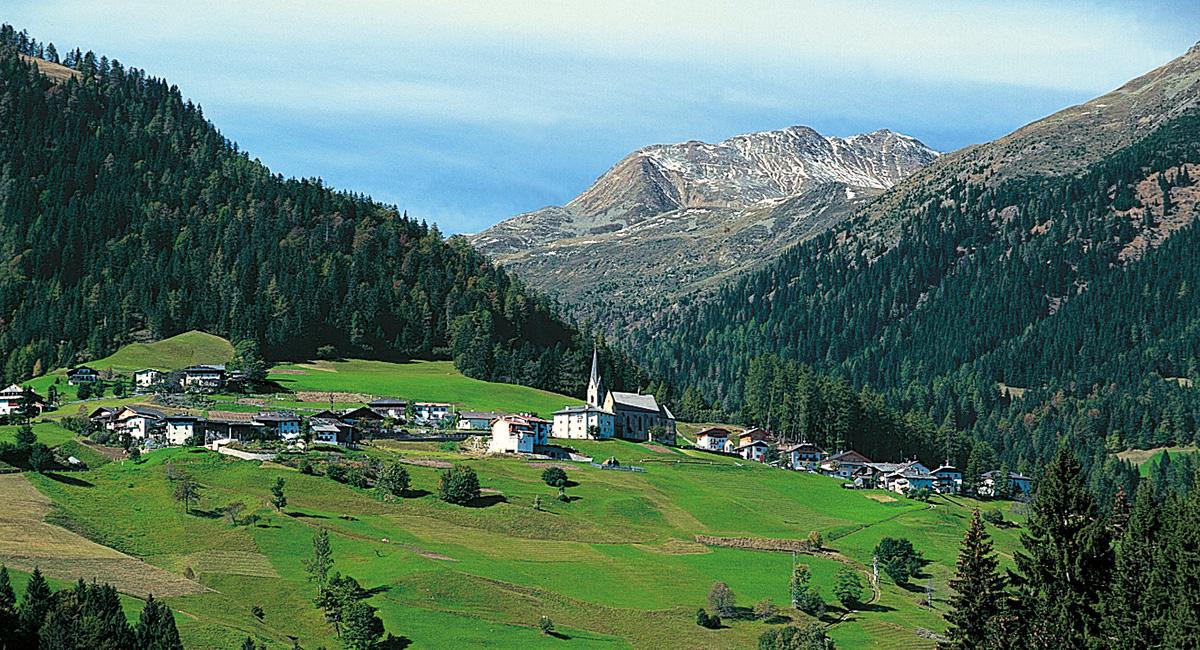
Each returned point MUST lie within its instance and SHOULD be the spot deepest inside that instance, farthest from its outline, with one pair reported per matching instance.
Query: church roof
(635, 400)
(595, 368)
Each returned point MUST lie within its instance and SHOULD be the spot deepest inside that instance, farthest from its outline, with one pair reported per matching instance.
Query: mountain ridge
(694, 212)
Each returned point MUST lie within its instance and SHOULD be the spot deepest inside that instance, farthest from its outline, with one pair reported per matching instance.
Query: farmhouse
(232, 427)
(138, 421)
(281, 424)
(361, 417)
(947, 479)
(1020, 484)
(713, 439)
(82, 375)
(146, 377)
(104, 418)
(514, 434)
(845, 464)
(389, 407)
(204, 378)
(180, 429)
(755, 450)
(804, 456)
(903, 483)
(330, 432)
(14, 397)
(431, 412)
(476, 420)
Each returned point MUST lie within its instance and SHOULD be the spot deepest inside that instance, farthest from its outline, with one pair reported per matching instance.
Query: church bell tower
(595, 390)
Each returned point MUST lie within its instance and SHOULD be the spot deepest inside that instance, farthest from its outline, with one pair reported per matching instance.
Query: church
(608, 414)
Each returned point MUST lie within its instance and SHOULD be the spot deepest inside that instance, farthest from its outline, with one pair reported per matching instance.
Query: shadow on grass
(394, 643)
(559, 635)
(68, 480)
(415, 494)
(381, 589)
(305, 515)
(873, 607)
(207, 514)
(486, 501)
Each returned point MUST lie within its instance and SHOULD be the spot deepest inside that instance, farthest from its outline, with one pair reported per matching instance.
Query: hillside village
(605, 415)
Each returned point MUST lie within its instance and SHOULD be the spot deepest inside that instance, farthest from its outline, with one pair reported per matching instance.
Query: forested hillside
(1078, 290)
(125, 214)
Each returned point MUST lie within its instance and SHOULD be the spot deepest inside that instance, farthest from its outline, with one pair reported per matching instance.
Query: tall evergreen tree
(34, 605)
(8, 611)
(978, 588)
(1136, 602)
(1066, 562)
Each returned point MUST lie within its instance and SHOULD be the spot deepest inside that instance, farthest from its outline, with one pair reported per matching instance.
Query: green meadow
(617, 566)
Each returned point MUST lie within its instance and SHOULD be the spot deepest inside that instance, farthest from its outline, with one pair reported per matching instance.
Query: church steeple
(595, 390)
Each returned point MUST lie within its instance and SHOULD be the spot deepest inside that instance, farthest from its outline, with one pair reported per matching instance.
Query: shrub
(765, 610)
(554, 477)
(848, 589)
(189, 574)
(811, 637)
(356, 477)
(306, 467)
(546, 625)
(458, 485)
(701, 617)
(393, 480)
(135, 454)
(336, 471)
(994, 517)
(815, 539)
(257, 611)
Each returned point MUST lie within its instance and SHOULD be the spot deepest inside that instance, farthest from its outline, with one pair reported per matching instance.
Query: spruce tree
(34, 605)
(8, 611)
(1134, 605)
(1179, 569)
(1067, 560)
(978, 591)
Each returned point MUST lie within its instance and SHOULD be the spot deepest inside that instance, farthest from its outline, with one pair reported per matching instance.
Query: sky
(465, 114)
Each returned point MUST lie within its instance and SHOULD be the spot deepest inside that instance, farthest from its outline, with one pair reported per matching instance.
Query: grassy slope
(428, 381)
(616, 567)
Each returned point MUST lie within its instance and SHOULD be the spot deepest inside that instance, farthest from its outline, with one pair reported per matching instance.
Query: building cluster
(853, 467)
(206, 378)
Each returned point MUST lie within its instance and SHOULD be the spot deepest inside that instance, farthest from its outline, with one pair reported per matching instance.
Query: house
(361, 417)
(476, 420)
(13, 399)
(541, 427)
(884, 475)
(103, 418)
(203, 378)
(389, 408)
(180, 429)
(234, 427)
(82, 375)
(431, 412)
(907, 481)
(582, 422)
(512, 434)
(146, 377)
(284, 425)
(845, 464)
(139, 422)
(947, 479)
(1020, 484)
(755, 450)
(713, 439)
(804, 456)
(331, 432)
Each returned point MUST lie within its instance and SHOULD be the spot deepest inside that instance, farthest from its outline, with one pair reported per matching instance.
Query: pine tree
(34, 605)
(156, 627)
(8, 611)
(978, 591)
(1135, 604)
(278, 498)
(1067, 560)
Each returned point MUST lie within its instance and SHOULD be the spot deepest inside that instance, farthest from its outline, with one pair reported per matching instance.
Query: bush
(356, 477)
(701, 617)
(458, 485)
(848, 589)
(257, 611)
(135, 454)
(306, 467)
(811, 637)
(393, 481)
(336, 471)
(994, 517)
(546, 625)
(815, 539)
(554, 477)
(722, 600)
(765, 610)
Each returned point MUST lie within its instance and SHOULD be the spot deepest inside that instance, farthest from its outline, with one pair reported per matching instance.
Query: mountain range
(668, 220)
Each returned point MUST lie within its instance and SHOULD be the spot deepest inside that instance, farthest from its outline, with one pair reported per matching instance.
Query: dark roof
(713, 432)
(1012, 476)
(361, 412)
(276, 416)
(635, 401)
(478, 415)
(205, 368)
(386, 402)
(585, 408)
(850, 456)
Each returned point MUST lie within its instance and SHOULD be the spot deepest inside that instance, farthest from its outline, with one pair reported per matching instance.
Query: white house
(713, 439)
(513, 434)
(389, 408)
(583, 422)
(11, 398)
(181, 428)
(755, 450)
(204, 377)
(1020, 483)
(908, 481)
(146, 377)
(431, 411)
(477, 420)
(845, 464)
(330, 432)
(138, 421)
(947, 479)
(805, 456)
(285, 424)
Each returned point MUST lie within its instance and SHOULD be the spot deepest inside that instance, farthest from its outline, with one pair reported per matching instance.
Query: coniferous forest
(1011, 312)
(125, 214)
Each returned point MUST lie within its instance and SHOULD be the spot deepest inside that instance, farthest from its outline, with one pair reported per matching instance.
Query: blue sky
(467, 113)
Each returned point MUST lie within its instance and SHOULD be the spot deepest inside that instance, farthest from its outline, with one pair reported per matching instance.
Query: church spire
(595, 391)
